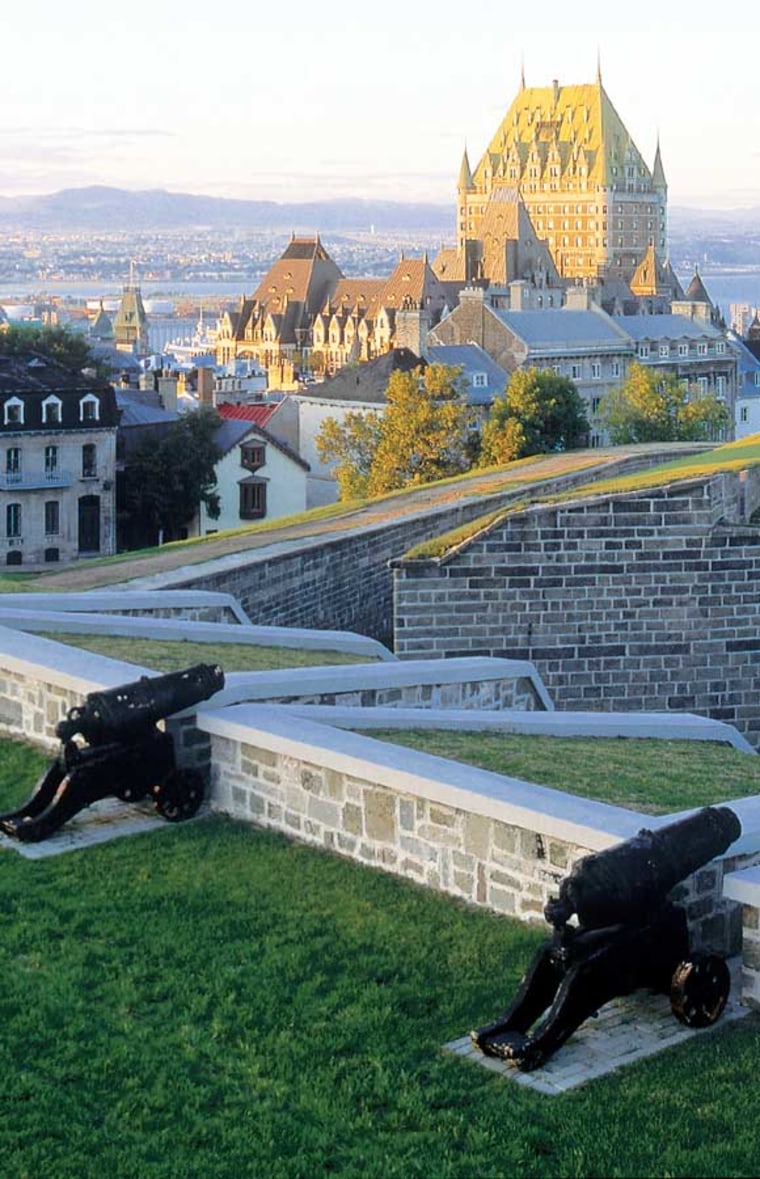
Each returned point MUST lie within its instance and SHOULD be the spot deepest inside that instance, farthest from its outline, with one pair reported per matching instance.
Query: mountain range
(116, 208)
(100, 207)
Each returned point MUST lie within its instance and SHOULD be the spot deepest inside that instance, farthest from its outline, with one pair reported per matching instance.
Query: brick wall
(645, 600)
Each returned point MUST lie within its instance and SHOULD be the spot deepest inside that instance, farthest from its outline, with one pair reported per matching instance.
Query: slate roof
(233, 431)
(367, 382)
(558, 330)
(136, 412)
(472, 359)
(665, 327)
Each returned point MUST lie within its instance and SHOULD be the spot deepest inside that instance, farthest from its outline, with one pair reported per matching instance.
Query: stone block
(380, 815)
(353, 819)
(476, 836)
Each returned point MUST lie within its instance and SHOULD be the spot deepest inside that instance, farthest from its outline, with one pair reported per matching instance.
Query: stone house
(58, 463)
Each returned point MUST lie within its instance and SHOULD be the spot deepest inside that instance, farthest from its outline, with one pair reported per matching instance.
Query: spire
(465, 182)
(658, 172)
(598, 66)
(522, 73)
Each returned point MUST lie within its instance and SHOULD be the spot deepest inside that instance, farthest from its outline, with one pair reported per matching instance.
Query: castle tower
(130, 325)
(588, 191)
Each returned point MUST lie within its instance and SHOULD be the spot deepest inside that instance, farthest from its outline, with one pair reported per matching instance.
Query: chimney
(205, 386)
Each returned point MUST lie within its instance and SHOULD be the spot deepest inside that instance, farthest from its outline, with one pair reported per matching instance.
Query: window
(596, 370)
(13, 414)
(744, 414)
(89, 408)
(13, 520)
(253, 499)
(720, 348)
(52, 517)
(720, 387)
(253, 455)
(643, 352)
(757, 378)
(479, 380)
(683, 349)
(702, 384)
(13, 464)
(576, 371)
(701, 349)
(595, 403)
(89, 461)
(664, 351)
(615, 368)
(51, 411)
(51, 462)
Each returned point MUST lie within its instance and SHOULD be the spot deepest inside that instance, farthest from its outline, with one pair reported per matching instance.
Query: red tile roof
(258, 414)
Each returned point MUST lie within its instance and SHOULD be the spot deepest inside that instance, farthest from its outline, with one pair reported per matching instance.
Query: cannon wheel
(699, 990)
(179, 795)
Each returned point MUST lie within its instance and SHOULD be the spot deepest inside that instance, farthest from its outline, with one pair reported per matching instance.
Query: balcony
(35, 480)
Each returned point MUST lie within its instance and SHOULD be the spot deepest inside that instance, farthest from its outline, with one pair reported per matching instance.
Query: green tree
(58, 343)
(164, 483)
(422, 436)
(538, 413)
(425, 429)
(650, 407)
(352, 445)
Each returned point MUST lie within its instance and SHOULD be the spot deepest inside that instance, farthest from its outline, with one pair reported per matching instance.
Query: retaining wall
(644, 601)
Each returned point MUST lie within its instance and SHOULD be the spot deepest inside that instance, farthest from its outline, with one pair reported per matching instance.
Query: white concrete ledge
(175, 629)
(549, 812)
(68, 667)
(743, 886)
(314, 681)
(94, 601)
(662, 726)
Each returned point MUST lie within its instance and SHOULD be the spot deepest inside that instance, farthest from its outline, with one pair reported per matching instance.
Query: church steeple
(465, 182)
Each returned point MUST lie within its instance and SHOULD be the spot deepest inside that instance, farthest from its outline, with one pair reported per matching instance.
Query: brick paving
(624, 1031)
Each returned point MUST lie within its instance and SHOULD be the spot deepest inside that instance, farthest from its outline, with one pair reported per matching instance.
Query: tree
(538, 413)
(57, 343)
(165, 482)
(422, 436)
(425, 430)
(651, 407)
(352, 444)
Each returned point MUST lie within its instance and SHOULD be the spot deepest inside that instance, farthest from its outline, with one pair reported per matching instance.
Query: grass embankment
(210, 1001)
(173, 655)
(658, 777)
(734, 456)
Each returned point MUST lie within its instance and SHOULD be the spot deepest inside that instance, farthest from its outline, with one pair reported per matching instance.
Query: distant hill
(118, 208)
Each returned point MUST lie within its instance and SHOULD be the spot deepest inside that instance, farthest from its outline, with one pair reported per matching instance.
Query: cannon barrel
(119, 713)
(622, 884)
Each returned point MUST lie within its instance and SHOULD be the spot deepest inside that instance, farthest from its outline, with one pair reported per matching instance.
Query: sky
(300, 101)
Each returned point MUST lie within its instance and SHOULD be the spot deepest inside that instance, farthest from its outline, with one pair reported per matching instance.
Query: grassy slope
(655, 776)
(211, 1001)
(173, 655)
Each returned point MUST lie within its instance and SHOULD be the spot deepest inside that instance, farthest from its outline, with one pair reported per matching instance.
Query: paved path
(88, 575)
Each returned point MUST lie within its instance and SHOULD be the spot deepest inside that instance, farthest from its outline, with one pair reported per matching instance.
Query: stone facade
(643, 601)
(509, 867)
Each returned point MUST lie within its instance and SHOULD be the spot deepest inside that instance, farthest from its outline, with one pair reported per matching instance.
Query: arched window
(89, 408)
(13, 412)
(51, 411)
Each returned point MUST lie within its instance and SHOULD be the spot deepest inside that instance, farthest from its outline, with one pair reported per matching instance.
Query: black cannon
(629, 934)
(120, 753)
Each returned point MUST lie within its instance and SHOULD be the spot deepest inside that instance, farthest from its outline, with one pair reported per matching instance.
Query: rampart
(640, 601)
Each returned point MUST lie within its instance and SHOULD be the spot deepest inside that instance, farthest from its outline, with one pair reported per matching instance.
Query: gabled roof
(473, 361)
(232, 432)
(696, 291)
(368, 382)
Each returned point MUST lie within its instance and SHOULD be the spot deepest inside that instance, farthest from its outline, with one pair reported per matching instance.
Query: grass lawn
(654, 776)
(174, 654)
(212, 1001)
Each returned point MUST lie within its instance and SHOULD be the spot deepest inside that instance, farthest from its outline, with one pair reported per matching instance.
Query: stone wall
(510, 865)
(344, 582)
(644, 601)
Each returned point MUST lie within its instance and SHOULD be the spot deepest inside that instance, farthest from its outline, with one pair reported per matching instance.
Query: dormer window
(479, 380)
(13, 412)
(51, 411)
(89, 408)
(252, 455)
(643, 352)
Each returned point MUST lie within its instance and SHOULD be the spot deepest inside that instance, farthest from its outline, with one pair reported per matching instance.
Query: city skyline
(286, 106)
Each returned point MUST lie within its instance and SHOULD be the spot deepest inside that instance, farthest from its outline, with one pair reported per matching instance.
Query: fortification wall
(644, 601)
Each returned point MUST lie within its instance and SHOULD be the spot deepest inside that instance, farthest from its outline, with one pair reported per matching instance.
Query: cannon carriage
(615, 930)
(112, 747)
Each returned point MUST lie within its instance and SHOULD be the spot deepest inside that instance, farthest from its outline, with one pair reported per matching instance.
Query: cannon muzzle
(622, 884)
(119, 713)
